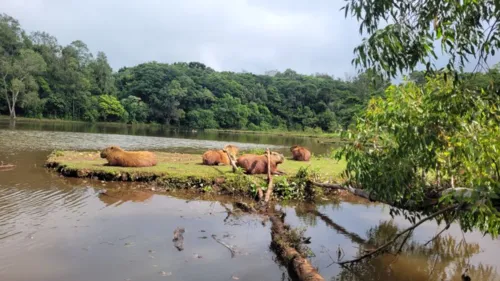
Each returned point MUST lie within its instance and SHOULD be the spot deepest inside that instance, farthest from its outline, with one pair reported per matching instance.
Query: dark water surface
(54, 228)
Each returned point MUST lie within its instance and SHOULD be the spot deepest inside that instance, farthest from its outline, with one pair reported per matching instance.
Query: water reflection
(446, 259)
(118, 197)
(88, 132)
(55, 228)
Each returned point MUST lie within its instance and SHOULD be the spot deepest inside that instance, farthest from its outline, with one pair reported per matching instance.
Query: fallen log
(6, 167)
(295, 262)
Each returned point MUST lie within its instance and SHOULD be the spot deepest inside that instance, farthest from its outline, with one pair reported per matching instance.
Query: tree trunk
(12, 113)
(12, 105)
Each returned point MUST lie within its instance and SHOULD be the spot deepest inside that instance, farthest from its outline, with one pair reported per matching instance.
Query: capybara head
(293, 147)
(232, 149)
(277, 158)
(110, 149)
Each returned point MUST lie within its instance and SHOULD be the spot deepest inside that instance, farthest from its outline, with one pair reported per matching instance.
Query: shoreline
(331, 137)
(184, 171)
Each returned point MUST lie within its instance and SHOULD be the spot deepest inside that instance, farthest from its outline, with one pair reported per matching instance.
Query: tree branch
(231, 161)
(383, 247)
(353, 190)
(269, 191)
(445, 228)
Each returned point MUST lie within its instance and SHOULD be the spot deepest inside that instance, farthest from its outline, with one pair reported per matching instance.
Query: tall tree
(102, 75)
(18, 76)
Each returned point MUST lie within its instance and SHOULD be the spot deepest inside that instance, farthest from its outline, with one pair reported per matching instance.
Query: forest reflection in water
(444, 258)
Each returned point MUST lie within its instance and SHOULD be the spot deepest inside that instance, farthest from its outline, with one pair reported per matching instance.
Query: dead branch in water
(329, 222)
(295, 261)
(179, 238)
(409, 229)
(269, 191)
(280, 239)
(225, 245)
(6, 167)
(228, 211)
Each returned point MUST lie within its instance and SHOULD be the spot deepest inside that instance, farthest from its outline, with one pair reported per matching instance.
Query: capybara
(257, 164)
(116, 156)
(232, 149)
(300, 153)
(215, 157)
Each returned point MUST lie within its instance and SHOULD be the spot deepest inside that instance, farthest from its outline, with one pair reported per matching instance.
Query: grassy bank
(184, 171)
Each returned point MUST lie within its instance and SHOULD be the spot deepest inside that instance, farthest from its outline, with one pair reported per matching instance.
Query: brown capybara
(215, 157)
(232, 149)
(257, 164)
(300, 153)
(116, 156)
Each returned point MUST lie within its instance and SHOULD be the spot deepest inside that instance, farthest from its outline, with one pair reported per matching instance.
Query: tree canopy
(69, 82)
(403, 34)
(433, 140)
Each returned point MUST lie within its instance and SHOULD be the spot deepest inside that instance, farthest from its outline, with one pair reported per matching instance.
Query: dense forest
(41, 78)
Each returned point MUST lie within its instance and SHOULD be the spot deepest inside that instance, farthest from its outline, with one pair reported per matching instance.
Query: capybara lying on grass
(116, 156)
(300, 153)
(232, 149)
(257, 164)
(215, 157)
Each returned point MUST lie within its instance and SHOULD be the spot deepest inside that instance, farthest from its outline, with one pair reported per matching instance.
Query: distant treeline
(42, 79)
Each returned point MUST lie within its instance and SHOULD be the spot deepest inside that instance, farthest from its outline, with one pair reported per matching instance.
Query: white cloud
(254, 35)
(226, 35)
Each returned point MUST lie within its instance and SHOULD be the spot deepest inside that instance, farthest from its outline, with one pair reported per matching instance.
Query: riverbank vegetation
(429, 144)
(41, 78)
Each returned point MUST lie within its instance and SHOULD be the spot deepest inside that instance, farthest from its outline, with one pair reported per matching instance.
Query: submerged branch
(179, 238)
(353, 236)
(225, 245)
(411, 228)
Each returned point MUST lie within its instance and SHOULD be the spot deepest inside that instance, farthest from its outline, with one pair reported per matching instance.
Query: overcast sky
(235, 35)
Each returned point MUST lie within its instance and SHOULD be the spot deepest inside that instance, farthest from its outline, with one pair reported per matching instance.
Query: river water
(54, 228)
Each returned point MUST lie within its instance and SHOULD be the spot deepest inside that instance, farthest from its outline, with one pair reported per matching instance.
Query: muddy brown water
(54, 228)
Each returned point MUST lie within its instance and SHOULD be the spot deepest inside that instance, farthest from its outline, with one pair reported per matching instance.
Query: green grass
(184, 165)
(177, 170)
